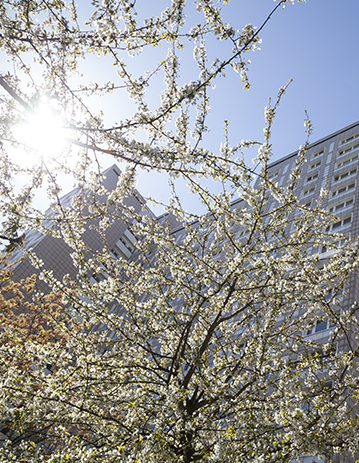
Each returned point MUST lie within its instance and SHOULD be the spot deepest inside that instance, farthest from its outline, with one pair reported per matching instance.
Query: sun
(43, 132)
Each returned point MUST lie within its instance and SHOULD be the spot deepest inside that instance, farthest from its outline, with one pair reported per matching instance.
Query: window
(338, 292)
(50, 367)
(139, 198)
(128, 246)
(312, 177)
(348, 139)
(348, 150)
(308, 191)
(307, 204)
(340, 223)
(337, 244)
(342, 205)
(115, 253)
(347, 161)
(344, 175)
(327, 385)
(243, 232)
(315, 164)
(320, 325)
(343, 189)
(272, 175)
(96, 277)
(318, 153)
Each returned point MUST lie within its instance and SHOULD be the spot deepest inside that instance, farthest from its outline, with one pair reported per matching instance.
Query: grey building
(56, 254)
(331, 164)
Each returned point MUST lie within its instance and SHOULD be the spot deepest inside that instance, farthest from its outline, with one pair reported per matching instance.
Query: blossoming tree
(193, 349)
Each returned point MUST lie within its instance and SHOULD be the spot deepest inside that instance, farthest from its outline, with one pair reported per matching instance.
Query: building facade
(56, 254)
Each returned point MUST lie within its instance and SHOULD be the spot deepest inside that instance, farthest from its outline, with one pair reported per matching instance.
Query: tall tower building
(331, 164)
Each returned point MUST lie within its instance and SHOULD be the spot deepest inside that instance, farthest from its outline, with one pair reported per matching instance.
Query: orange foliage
(21, 319)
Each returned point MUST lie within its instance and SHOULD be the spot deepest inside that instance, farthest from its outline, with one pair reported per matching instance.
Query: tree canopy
(193, 349)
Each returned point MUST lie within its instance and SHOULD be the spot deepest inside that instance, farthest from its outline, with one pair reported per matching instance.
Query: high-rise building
(331, 164)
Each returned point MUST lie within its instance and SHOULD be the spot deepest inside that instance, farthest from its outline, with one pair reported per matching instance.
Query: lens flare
(43, 133)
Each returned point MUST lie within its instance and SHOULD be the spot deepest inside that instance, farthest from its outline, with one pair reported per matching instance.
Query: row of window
(349, 149)
(340, 223)
(319, 153)
(335, 244)
(350, 138)
(343, 189)
(337, 178)
(320, 325)
(344, 175)
(339, 164)
(337, 192)
(347, 161)
(329, 246)
(342, 205)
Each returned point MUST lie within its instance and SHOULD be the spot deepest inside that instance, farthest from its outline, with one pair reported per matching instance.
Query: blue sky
(315, 43)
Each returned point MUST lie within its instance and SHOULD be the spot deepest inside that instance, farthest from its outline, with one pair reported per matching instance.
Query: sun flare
(43, 133)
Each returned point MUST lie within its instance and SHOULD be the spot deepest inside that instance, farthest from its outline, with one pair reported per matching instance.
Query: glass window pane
(321, 325)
